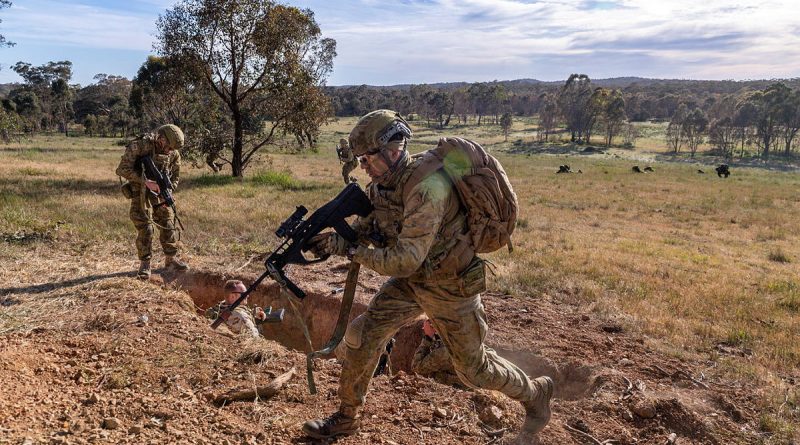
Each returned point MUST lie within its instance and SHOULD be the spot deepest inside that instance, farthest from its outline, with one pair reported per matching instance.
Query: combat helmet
(375, 129)
(173, 134)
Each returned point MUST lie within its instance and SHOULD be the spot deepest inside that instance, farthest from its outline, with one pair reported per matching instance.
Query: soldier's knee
(470, 376)
(352, 338)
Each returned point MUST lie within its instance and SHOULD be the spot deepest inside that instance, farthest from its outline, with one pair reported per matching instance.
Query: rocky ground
(91, 355)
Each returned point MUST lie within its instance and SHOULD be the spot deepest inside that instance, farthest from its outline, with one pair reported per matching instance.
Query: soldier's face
(374, 165)
(233, 296)
(163, 144)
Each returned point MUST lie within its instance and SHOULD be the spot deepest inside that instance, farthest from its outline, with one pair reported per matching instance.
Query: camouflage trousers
(164, 217)
(458, 317)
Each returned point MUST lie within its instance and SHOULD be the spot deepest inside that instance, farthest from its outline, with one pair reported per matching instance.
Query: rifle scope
(288, 227)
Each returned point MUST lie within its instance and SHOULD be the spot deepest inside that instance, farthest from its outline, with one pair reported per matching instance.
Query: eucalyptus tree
(266, 62)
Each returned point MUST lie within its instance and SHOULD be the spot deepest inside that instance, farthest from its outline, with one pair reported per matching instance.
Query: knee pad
(352, 338)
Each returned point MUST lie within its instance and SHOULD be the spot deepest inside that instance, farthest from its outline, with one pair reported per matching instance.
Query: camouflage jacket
(414, 227)
(169, 164)
(242, 319)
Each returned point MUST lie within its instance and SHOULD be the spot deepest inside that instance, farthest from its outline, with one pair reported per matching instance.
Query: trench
(320, 310)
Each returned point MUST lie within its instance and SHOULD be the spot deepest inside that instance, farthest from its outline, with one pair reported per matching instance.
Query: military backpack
(483, 189)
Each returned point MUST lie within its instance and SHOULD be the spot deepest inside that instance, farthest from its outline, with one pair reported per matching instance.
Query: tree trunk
(237, 168)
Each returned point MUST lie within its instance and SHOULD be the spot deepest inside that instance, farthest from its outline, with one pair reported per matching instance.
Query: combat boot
(144, 270)
(174, 263)
(338, 424)
(537, 410)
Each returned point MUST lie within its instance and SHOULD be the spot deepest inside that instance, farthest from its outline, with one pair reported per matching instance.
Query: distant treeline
(757, 117)
(742, 118)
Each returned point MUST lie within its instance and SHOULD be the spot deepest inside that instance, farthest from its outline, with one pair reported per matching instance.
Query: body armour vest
(450, 252)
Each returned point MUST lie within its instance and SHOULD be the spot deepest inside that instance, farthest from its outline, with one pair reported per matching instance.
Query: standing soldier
(419, 237)
(163, 146)
(348, 160)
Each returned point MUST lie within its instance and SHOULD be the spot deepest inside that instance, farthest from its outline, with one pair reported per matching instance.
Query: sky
(428, 41)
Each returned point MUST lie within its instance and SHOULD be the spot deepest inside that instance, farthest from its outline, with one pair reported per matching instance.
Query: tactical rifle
(165, 187)
(296, 232)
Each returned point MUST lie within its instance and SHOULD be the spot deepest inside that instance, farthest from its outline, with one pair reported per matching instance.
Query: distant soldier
(145, 211)
(242, 319)
(348, 160)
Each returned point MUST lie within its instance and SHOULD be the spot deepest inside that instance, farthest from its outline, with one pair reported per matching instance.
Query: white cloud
(72, 23)
(502, 38)
(382, 42)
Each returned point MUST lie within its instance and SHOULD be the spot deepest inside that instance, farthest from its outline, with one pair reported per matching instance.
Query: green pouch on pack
(127, 190)
(473, 278)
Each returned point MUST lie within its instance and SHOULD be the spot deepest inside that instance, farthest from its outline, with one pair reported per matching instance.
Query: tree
(3, 41)
(479, 99)
(789, 117)
(629, 135)
(90, 124)
(574, 103)
(694, 127)
(743, 120)
(548, 115)
(675, 128)
(610, 106)
(265, 62)
(722, 135)
(505, 124)
(768, 105)
(50, 84)
(9, 123)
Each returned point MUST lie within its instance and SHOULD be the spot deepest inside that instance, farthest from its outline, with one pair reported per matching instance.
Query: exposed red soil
(98, 372)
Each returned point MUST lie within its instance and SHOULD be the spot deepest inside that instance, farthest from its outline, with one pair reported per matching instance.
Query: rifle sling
(341, 322)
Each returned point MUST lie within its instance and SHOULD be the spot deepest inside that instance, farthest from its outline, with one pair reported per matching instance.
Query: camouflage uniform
(143, 203)
(348, 160)
(420, 238)
(242, 319)
(432, 360)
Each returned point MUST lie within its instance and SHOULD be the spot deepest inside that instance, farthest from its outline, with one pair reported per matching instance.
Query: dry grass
(691, 260)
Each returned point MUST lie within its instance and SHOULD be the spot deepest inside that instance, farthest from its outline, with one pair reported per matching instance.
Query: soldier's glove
(328, 243)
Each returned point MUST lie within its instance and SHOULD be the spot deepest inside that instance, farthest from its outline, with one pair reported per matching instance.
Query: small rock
(135, 429)
(612, 328)
(111, 423)
(76, 427)
(491, 415)
(440, 413)
(143, 320)
(93, 398)
(626, 362)
(627, 415)
(585, 317)
(644, 409)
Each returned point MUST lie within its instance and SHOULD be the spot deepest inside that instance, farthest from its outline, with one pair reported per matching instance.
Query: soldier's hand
(328, 243)
(428, 329)
(260, 314)
(152, 185)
